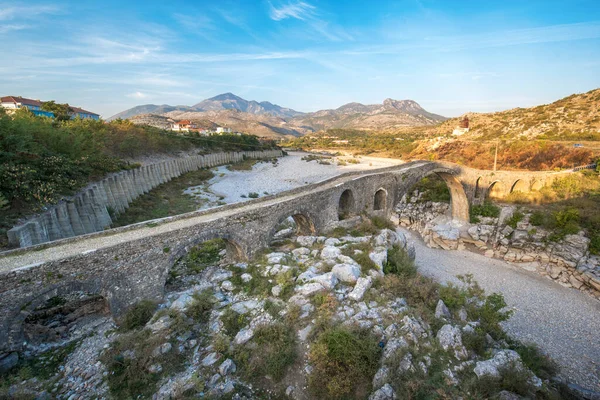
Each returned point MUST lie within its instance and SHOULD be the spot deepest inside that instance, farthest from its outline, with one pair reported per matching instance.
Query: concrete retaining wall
(87, 211)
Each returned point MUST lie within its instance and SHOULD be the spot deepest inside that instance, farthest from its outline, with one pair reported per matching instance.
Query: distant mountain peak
(226, 96)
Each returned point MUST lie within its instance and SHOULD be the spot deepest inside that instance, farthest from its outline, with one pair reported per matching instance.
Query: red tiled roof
(82, 111)
(17, 99)
(184, 122)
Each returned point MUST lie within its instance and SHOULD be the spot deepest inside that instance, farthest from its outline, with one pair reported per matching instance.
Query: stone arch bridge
(128, 264)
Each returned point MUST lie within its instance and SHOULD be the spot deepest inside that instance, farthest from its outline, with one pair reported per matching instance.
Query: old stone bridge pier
(131, 263)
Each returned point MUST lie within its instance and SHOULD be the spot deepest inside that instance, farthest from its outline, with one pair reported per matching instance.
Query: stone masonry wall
(87, 211)
(567, 261)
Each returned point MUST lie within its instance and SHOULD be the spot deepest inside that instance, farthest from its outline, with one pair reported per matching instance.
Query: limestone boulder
(347, 273)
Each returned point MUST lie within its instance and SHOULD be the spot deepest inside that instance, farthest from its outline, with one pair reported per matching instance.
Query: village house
(13, 103)
(184, 126)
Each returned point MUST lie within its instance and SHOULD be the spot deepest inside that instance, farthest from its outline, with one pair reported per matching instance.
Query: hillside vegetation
(42, 160)
(538, 138)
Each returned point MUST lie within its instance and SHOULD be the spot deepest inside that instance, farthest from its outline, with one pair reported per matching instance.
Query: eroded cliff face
(566, 261)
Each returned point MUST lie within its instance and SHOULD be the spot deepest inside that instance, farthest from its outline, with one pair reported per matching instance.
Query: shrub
(128, 375)
(538, 218)
(515, 219)
(382, 223)
(399, 263)
(344, 362)
(233, 322)
(253, 195)
(201, 305)
(487, 209)
(138, 315)
(273, 352)
(490, 314)
(534, 359)
(204, 255)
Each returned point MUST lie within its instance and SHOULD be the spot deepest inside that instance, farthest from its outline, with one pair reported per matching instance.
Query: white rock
(441, 311)
(392, 346)
(493, 366)
(306, 241)
(384, 393)
(379, 256)
(330, 253)
(276, 290)
(302, 251)
(243, 336)
(303, 333)
(381, 377)
(245, 306)
(227, 285)
(275, 258)
(361, 287)
(346, 260)
(210, 359)
(332, 242)
(450, 338)
(327, 280)
(182, 302)
(246, 277)
(309, 288)
(227, 367)
(307, 275)
(346, 272)
(386, 238)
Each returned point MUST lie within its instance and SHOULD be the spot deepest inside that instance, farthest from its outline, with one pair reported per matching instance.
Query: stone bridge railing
(128, 264)
(88, 210)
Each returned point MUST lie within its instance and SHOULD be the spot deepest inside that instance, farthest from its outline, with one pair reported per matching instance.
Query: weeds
(344, 362)
(138, 315)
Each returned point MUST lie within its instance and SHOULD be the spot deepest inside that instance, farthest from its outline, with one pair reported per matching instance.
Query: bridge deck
(61, 249)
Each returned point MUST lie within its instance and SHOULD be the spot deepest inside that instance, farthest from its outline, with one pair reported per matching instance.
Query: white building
(223, 130)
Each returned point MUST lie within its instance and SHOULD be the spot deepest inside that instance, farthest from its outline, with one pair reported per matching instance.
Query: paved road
(564, 322)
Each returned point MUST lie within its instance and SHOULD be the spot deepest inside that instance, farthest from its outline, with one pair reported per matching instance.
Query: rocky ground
(342, 316)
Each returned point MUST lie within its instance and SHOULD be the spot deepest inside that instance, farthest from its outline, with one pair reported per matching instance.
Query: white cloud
(194, 22)
(137, 95)
(298, 10)
(26, 12)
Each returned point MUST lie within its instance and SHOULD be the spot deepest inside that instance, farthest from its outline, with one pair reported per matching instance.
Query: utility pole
(496, 156)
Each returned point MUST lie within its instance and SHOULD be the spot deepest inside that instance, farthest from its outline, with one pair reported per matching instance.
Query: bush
(204, 255)
(233, 322)
(399, 263)
(273, 351)
(128, 376)
(138, 315)
(487, 209)
(344, 362)
(201, 306)
(253, 195)
(515, 219)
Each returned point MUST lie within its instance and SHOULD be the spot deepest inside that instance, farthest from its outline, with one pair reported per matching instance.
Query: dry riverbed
(287, 173)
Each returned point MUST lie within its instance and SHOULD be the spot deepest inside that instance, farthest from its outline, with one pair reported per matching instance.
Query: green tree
(61, 111)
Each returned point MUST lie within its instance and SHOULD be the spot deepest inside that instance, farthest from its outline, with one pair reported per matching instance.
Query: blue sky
(450, 56)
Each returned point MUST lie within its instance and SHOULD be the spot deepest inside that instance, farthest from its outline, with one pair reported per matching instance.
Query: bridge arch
(496, 190)
(346, 204)
(380, 200)
(301, 224)
(520, 185)
(537, 185)
(21, 311)
(477, 193)
(234, 246)
(459, 203)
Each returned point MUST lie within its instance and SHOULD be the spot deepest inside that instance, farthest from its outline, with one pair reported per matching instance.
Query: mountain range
(271, 120)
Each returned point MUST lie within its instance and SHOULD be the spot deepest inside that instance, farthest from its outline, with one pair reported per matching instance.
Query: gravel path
(564, 322)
